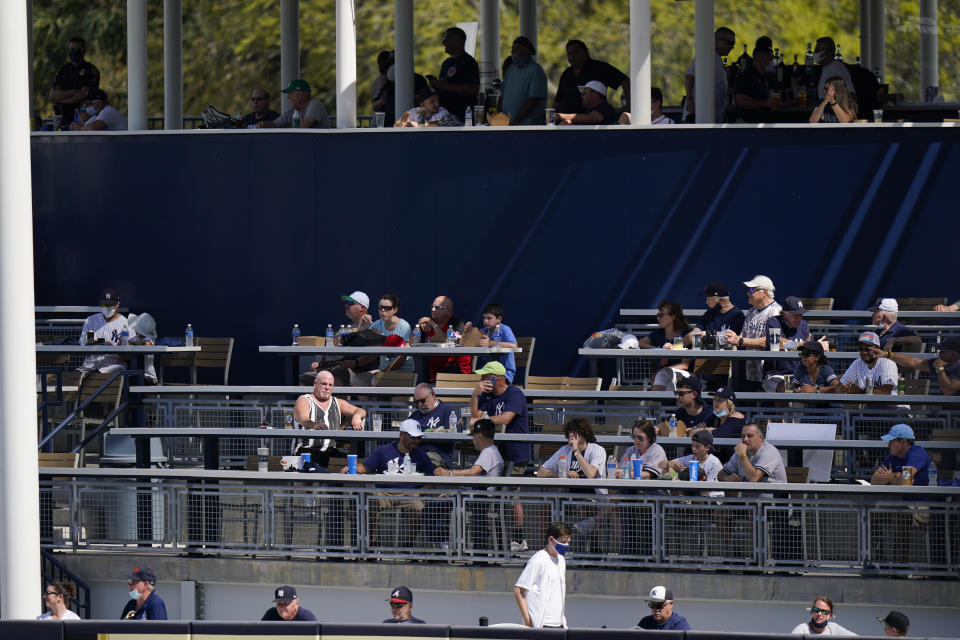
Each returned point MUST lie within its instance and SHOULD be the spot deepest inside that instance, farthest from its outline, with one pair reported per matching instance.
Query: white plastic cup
(551, 117)
(378, 119)
(878, 115)
(377, 421)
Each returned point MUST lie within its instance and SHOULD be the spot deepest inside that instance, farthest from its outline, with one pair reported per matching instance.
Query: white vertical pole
(489, 61)
(878, 38)
(929, 44)
(30, 51)
(640, 62)
(172, 64)
(289, 47)
(705, 68)
(866, 55)
(137, 65)
(346, 65)
(403, 58)
(528, 20)
(19, 488)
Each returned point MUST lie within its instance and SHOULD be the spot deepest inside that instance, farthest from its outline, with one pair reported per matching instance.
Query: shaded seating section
(215, 353)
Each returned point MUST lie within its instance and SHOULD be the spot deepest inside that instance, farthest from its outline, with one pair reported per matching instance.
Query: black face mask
(718, 307)
(76, 55)
(818, 625)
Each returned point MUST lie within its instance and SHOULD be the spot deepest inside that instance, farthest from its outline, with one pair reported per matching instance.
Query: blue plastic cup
(304, 460)
(637, 468)
(352, 463)
(694, 467)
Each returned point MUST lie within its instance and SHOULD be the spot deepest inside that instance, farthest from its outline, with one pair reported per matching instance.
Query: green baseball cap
(297, 85)
(493, 367)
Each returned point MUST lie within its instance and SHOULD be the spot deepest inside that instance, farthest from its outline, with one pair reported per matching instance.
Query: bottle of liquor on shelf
(838, 56)
(744, 61)
(781, 72)
(808, 58)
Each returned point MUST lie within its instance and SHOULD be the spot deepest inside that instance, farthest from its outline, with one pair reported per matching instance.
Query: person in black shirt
(261, 109)
(459, 80)
(287, 607)
(74, 80)
(582, 70)
(596, 109)
(751, 92)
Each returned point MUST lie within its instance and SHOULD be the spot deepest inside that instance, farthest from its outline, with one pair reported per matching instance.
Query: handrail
(79, 410)
(56, 574)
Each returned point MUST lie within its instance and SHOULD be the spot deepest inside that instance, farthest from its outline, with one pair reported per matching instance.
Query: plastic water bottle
(673, 425)
(468, 117)
(933, 474)
(407, 465)
(125, 338)
(626, 469)
(329, 336)
(452, 422)
(415, 335)
(611, 467)
(451, 337)
(868, 386)
(188, 335)
(295, 335)
(343, 330)
(564, 467)
(296, 119)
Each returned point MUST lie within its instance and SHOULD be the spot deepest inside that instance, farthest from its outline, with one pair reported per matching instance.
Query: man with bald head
(260, 101)
(321, 410)
(434, 329)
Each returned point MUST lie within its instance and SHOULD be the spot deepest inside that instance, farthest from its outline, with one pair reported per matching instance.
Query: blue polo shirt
(675, 622)
(504, 334)
(153, 609)
(916, 457)
(510, 400)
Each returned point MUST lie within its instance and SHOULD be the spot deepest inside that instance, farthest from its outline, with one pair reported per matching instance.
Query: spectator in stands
(261, 109)
(725, 421)
(489, 463)
(645, 447)
(495, 333)
(74, 81)
(355, 307)
(793, 331)
(720, 314)
(401, 607)
(751, 93)
(523, 94)
(656, 110)
(948, 307)
(144, 603)
(723, 41)
(305, 112)
(432, 413)
(106, 327)
(143, 331)
(596, 109)
(690, 403)
(824, 54)
(820, 620)
(57, 597)
(428, 112)
(894, 336)
(945, 367)
(581, 71)
(837, 105)
(384, 62)
(388, 458)
(389, 324)
(760, 292)
(287, 607)
(882, 371)
(754, 460)
(541, 589)
(904, 453)
(101, 115)
(701, 444)
(672, 325)
(584, 457)
(321, 410)
(434, 329)
(814, 373)
(662, 617)
(459, 81)
(895, 625)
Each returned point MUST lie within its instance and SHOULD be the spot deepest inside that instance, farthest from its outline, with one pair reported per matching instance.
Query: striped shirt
(110, 331)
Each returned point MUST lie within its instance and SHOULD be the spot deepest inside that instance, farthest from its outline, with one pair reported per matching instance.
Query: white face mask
(108, 312)
(134, 594)
(770, 67)
(91, 110)
(819, 57)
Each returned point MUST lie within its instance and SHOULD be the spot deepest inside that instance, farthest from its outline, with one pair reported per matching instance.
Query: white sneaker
(518, 546)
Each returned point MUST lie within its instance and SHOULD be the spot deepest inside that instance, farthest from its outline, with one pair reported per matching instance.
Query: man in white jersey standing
(541, 590)
(106, 327)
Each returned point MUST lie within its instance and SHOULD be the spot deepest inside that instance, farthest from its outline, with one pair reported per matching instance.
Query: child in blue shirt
(497, 333)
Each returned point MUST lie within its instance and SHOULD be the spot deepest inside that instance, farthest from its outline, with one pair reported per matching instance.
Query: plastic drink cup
(478, 112)
(773, 338)
(377, 420)
(352, 463)
(694, 468)
(304, 460)
(378, 119)
(878, 115)
(697, 339)
(551, 117)
(637, 468)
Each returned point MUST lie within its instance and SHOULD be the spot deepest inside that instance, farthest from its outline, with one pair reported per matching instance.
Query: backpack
(213, 118)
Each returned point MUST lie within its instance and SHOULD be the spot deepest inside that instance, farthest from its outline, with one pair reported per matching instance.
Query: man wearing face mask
(751, 92)
(144, 604)
(73, 82)
(823, 54)
(541, 589)
(523, 94)
(107, 328)
(101, 115)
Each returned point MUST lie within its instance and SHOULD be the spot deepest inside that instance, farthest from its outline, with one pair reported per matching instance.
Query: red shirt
(452, 364)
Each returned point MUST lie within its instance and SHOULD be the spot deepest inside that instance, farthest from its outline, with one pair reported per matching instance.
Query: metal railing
(813, 528)
(52, 570)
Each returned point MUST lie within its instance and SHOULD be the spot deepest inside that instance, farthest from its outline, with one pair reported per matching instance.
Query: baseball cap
(143, 574)
(359, 297)
(411, 427)
(660, 594)
(869, 336)
(793, 304)
(297, 85)
(760, 282)
(109, 298)
(425, 93)
(812, 345)
(285, 594)
(596, 85)
(95, 94)
(897, 620)
(715, 288)
(493, 367)
(704, 437)
(898, 431)
(726, 393)
(401, 594)
(629, 341)
(885, 304)
(950, 344)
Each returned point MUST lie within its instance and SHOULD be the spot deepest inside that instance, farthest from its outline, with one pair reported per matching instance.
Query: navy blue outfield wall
(245, 233)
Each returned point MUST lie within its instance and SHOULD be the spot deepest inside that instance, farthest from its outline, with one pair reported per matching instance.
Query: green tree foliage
(232, 46)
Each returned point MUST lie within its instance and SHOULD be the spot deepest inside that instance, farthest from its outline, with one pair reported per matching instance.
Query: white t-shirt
(594, 454)
(112, 118)
(67, 615)
(719, 89)
(544, 579)
(652, 458)
(491, 462)
(832, 629)
(711, 466)
(663, 119)
(314, 108)
(884, 371)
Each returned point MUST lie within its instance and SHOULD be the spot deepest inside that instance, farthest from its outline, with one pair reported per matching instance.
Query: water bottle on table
(452, 422)
(611, 467)
(295, 335)
(329, 338)
(563, 467)
(188, 336)
(125, 338)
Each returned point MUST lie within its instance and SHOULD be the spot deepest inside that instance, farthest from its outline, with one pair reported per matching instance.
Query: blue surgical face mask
(720, 414)
(818, 625)
(560, 547)
(134, 594)
(91, 110)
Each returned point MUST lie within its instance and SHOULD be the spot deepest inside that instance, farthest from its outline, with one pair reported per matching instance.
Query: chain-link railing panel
(802, 533)
(123, 513)
(915, 535)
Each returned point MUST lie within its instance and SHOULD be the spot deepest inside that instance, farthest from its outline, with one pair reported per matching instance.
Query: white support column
(19, 507)
(929, 45)
(878, 38)
(346, 65)
(30, 52)
(865, 28)
(289, 47)
(703, 87)
(403, 59)
(528, 20)
(172, 64)
(137, 65)
(489, 61)
(640, 63)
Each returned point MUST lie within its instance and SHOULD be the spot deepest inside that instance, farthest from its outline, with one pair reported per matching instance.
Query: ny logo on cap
(279, 593)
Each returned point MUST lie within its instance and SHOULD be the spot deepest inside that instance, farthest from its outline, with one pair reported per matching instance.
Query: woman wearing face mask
(726, 421)
(821, 614)
(837, 104)
(541, 589)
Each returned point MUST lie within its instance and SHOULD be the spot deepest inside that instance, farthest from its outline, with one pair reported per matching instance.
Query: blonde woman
(838, 105)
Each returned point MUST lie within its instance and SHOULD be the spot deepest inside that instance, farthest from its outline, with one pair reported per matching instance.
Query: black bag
(365, 338)
(606, 339)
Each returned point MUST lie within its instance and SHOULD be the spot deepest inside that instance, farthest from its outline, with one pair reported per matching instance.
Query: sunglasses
(815, 610)
(421, 400)
(806, 354)
(384, 307)
(662, 313)
(258, 99)
(397, 605)
(437, 307)
(681, 393)
(51, 593)
(656, 606)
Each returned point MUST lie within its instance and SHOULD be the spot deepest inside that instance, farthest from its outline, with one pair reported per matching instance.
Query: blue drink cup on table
(304, 460)
(352, 463)
(637, 468)
(694, 470)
